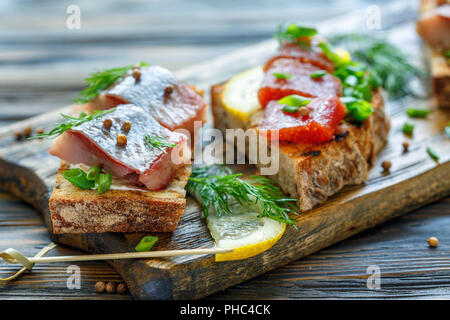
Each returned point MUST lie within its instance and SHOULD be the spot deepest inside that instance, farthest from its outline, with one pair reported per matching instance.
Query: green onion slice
(104, 182)
(417, 113)
(78, 178)
(282, 76)
(318, 74)
(146, 243)
(93, 173)
(408, 128)
(432, 154)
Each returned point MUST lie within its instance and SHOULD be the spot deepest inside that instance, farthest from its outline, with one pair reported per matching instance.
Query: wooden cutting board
(28, 171)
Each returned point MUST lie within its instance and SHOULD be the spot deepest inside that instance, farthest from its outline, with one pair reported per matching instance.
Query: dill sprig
(217, 188)
(71, 123)
(156, 142)
(100, 81)
(388, 62)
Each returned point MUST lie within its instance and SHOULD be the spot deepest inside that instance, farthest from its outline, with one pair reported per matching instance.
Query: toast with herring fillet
(312, 173)
(434, 28)
(117, 210)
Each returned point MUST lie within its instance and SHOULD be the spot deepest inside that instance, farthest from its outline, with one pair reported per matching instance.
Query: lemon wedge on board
(243, 231)
(240, 93)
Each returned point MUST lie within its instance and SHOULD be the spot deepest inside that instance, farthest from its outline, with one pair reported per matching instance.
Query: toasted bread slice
(440, 76)
(439, 63)
(312, 173)
(84, 211)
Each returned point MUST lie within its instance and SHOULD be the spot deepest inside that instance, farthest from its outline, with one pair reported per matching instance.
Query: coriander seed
(27, 132)
(168, 90)
(126, 126)
(121, 288)
(433, 242)
(405, 146)
(386, 164)
(111, 287)
(121, 140)
(303, 111)
(100, 287)
(107, 123)
(136, 74)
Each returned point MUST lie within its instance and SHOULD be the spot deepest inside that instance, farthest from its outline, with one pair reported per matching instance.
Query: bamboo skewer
(130, 255)
(15, 257)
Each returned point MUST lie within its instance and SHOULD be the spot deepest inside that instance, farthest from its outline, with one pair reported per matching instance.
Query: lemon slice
(245, 232)
(344, 55)
(240, 94)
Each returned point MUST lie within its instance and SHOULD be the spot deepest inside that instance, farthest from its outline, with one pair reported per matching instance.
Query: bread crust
(84, 211)
(313, 173)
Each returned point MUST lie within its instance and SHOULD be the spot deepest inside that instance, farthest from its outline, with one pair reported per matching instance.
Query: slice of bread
(439, 63)
(74, 210)
(312, 173)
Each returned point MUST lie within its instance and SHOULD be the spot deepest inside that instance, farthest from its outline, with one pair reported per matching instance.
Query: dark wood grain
(225, 67)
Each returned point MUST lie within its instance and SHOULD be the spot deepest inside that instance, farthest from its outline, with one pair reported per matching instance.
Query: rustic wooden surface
(335, 272)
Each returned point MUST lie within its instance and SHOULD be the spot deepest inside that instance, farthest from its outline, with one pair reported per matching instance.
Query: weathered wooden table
(42, 66)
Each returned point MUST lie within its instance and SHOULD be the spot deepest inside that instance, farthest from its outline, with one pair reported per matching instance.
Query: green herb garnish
(432, 154)
(388, 64)
(282, 76)
(417, 113)
(71, 123)
(156, 142)
(104, 182)
(146, 243)
(359, 110)
(84, 180)
(408, 128)
(447, 53)
(293, 102)
(102, 80)
(318, 74)
(93, 173)
(330, 54)
(293, 32)
(217, 189)
(78, 178)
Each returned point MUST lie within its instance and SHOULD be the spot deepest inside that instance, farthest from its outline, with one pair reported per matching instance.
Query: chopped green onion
(294, 100)
(93, 173)
(417, 113)
(78, 178)
(432, 154)
(104, 182)
(282, 76)
(351, 80)
(290, 109)
(347, 100)
(330, 54)
(359, 110)
(146, 243)
(318, 74)
(293, 32)
(408, 128)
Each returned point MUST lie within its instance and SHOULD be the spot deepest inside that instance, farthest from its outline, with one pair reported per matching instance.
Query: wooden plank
(413, 182)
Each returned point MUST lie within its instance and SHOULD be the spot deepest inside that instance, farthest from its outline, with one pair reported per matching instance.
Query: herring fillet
(174, 109)
(136, 162)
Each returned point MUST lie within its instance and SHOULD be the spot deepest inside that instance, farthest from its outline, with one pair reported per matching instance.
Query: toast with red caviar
(328, 135)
